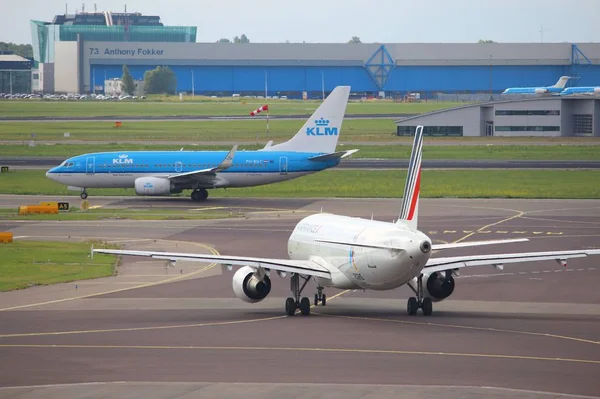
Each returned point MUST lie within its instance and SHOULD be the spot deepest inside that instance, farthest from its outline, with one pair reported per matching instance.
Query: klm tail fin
(321, 131)
(410, 202)
(562, 82)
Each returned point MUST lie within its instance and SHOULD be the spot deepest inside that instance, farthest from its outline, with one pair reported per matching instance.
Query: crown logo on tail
(322, 122)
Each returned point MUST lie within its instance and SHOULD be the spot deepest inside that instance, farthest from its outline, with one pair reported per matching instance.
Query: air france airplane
(353, 253)
(554, 89)
(157, 173)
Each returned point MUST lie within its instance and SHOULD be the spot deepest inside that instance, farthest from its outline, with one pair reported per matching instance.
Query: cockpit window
(69, 165)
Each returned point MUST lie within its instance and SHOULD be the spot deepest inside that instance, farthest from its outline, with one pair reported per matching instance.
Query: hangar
(541, 116)
(84, 50)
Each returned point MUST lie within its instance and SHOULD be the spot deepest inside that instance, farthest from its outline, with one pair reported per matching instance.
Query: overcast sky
(336, 21)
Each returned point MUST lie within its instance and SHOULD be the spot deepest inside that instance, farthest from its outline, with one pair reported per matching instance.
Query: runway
(533, 328)
(375, 164)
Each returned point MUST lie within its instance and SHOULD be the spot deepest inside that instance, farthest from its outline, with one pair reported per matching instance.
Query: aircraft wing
(306, 267)
(452, 245)
(457, 262)
(201, 173)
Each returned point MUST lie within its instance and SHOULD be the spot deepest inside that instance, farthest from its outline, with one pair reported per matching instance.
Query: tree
(355, 39)
(160, 80)
(485, 41)
(128, 84)
(224, 40)
(242, 39)
(24, 50)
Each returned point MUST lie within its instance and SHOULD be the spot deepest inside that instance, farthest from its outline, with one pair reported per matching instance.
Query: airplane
(355, 253)
(158, 173)
(555, 89)
(582, 90)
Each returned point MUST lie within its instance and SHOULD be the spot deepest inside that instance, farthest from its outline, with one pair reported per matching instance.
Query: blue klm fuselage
(249, 168)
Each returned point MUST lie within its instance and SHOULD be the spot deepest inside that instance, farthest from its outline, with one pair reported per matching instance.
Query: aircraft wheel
(203, 194)
(412, 306)
(305, 306)
(290, 306)
(427, 306)
(316, 299)
(324, 300)
(83, 195)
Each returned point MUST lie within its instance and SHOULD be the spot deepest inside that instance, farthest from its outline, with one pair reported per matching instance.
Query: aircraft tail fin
(562, 82)
(410, 201)
(321, 131)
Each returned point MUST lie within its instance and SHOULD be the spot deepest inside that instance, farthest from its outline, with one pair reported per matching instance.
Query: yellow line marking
(301, 349)
(168, 280)
(587, 341)
(480, 230)
(211, 208)
(109, 330)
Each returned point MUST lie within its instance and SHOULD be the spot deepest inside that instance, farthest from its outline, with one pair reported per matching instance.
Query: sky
(336, 21)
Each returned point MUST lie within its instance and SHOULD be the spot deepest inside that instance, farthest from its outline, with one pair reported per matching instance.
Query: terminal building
(80, 51)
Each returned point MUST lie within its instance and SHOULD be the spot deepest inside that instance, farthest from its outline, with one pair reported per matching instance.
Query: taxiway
(531, 327)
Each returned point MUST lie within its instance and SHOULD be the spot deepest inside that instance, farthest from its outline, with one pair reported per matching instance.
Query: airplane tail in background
(321, 131)
(410, 202)
(562, 82)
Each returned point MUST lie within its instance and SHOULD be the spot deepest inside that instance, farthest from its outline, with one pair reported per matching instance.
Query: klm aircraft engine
(250, 286)
(154, 186)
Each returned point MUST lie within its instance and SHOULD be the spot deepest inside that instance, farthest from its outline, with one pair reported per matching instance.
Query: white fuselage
(354, 267)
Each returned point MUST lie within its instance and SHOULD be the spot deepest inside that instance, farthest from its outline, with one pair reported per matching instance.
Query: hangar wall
(294, 67)
(66, 67)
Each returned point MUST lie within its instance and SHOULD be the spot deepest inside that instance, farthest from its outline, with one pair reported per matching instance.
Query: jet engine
(250, 286)
(439, 285)
(540, 90)
(153, 186)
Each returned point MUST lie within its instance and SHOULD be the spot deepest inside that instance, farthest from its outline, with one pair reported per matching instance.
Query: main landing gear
(419, 302)
(83, 195)
(291, 304)
(320, 297)
(199, 194)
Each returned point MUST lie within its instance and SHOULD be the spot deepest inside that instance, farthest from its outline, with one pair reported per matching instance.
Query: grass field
(190, 131)
(370, 184)
(401, 151)
(28, 263)
(83, 108)
(116, 214)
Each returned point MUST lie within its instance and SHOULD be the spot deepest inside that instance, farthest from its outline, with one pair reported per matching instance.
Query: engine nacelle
(540, 91)
(439, 285)
(249, 286)
(597, 90)
(153, 186)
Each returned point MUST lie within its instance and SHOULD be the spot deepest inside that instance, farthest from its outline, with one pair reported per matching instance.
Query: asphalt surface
(49, 162)
(180, 330)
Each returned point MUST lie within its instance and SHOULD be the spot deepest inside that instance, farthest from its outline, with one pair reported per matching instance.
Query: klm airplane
(545, 90)
(156, 173)
(582, 90)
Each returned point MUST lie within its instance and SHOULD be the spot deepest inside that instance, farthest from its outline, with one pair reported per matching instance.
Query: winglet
(410, 201)
(269, 144)
(228, 161)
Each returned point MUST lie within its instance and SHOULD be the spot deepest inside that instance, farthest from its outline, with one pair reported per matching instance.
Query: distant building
(15, 74)
(538, 117)
(63, 33)
(115, 87)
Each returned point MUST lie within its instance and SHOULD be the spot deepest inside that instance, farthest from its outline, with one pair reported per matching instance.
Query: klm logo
(123, 160)
(322, 129)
